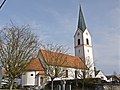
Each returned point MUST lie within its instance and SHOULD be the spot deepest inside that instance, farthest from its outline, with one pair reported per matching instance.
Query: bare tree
(53, 61)
(17, 46)
(85, 72)
(3, 2)
(90, 69)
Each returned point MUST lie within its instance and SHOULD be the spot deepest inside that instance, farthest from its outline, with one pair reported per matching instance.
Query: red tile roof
(42, 73)
(35, 65)
(4, 72)
(67, 61)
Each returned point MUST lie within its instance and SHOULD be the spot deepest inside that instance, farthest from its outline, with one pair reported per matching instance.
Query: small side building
(34, 74)
(113, 79)
(101, 75)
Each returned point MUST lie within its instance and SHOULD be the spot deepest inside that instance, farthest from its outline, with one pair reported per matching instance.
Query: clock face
(86, 33)
(78, 34)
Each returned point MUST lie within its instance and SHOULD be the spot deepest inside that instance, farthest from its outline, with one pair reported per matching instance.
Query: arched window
(79, 51)
(76, 72)
(78, 41)
(78, 34)
(66, 73)
(41, 80)
(87, 41)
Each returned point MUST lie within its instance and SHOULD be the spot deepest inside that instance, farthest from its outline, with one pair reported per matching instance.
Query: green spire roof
(81, 21)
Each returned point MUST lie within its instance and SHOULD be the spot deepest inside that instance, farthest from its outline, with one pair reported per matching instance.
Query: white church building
(83, 44)
(83, 59)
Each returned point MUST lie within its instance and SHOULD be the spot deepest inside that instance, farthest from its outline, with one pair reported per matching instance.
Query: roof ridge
(60, 53)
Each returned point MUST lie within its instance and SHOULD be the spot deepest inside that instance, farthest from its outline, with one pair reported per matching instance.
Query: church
(82, 61)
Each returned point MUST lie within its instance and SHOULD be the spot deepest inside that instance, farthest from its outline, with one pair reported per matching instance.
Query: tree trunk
(52, 84)
(83, 86)
(83, 82)
(11, 85)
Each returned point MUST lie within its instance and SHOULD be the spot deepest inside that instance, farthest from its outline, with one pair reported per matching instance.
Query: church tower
(83, 44)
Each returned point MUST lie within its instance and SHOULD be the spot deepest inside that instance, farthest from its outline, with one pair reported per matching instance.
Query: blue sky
(56, 21)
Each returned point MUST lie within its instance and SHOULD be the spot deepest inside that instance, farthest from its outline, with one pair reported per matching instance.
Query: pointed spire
(81, 21)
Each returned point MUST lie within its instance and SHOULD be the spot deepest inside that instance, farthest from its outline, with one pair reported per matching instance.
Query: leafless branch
(17, 47)
(2, 3)
(54, 59)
